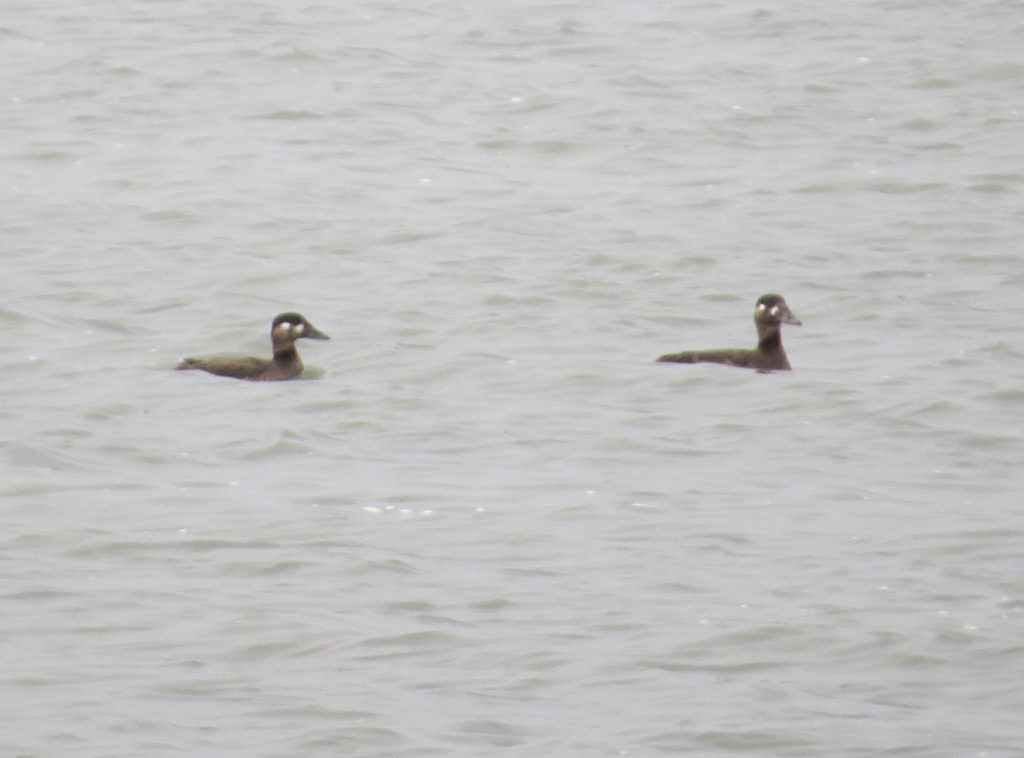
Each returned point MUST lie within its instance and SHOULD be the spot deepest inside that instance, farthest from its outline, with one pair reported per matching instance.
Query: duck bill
(787, 317)
(313, 333)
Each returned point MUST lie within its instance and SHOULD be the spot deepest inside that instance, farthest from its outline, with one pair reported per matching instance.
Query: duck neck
(769, 337)
(285, 352)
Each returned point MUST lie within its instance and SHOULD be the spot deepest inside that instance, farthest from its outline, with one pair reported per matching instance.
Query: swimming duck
(770, 313)
(286, 364)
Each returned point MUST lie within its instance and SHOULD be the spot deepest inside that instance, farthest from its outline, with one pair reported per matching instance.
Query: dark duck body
(770, 313)
(286, 364)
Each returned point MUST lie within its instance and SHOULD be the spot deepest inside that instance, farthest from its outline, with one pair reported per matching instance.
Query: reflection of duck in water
(285, 364)
(770, 314)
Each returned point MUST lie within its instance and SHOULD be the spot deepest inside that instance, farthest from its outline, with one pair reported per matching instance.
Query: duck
(286, 364)
(770, 313)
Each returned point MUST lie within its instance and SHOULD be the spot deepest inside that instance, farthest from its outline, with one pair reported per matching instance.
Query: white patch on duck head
(775, 310)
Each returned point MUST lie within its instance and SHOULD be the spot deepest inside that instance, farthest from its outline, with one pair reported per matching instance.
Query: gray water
(489, 523)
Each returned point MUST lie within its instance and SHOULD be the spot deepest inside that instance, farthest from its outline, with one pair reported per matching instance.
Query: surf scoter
(286, 364)
(770, 313)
